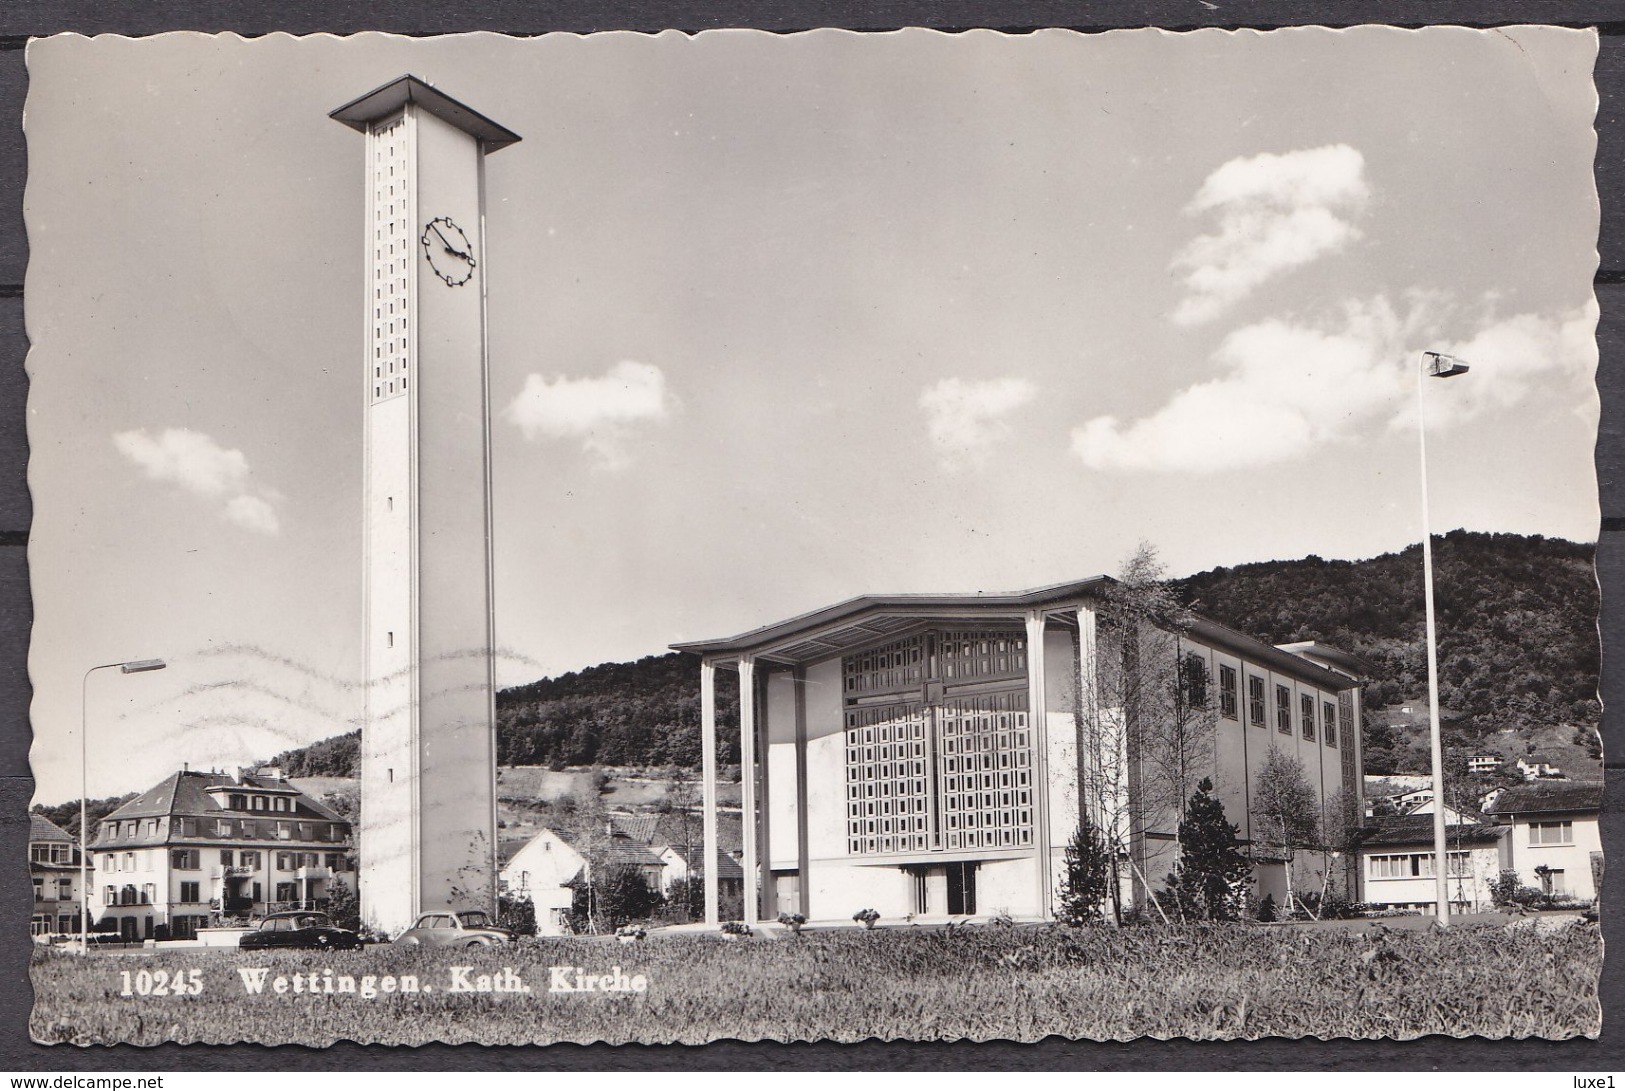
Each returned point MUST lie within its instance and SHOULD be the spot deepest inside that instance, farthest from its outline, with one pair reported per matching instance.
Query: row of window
(192, 859)
(1416, 865)
(53, 852)
(190, 893)
(61, 890)
(242, 801)
(1551, 833)
(1257, 704)
(248, 828)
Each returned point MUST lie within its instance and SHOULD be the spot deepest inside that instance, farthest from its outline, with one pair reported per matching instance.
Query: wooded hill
(1517, 635)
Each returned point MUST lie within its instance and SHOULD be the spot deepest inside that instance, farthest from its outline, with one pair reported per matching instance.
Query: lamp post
(1435, 365)
(133, 666)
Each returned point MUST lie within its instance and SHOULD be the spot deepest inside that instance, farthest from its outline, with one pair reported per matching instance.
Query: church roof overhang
(872, 619)
(866, 619)
(384, 101)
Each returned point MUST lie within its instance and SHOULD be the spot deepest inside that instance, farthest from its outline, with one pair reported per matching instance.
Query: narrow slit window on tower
(389, 503)
(390, 636)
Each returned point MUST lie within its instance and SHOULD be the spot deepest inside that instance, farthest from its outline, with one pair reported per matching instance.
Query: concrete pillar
(1038, 721)
(1088, 713)
(803, 856)
(708, 789)
(747, 787)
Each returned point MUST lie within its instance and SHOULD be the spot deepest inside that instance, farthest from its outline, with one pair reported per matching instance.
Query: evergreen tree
(1085, 885)
(1211, 880)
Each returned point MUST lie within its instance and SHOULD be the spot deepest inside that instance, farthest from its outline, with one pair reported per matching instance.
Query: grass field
(1213, 982)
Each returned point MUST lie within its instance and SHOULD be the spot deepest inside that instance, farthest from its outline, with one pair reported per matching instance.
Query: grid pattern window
(392, 251)
(1283, 710)
(1255, 700)
(928, 771)
(980, 656)
(888, 801)
(987, 789)
(1306, 711)
(1328, 724)
(1193, 682)
(1551, 833)
(1227, 692)
(185, 859)
(1345, 713)
(886, 669)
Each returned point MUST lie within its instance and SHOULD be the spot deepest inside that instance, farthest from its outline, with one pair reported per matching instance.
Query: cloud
(600, 411)
(253, 513)
(966, 419)
(1275, 212)
(1285, 388)
(197, 464)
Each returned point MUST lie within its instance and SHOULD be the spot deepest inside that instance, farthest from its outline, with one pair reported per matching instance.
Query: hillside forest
(1518, 653)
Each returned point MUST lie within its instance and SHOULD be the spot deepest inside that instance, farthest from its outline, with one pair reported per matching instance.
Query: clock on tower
(428, 745)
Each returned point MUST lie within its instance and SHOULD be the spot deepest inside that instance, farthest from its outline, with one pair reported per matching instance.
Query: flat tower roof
(392, 96)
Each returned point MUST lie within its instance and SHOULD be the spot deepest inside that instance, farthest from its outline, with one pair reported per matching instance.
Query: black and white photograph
(671, 538)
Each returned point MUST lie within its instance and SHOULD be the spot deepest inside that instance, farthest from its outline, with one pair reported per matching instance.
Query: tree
(344, 907)
(620, 895)
(1084, 887)
(1211, 880)
(1145, 718)
(516, 914)
(1286, 810)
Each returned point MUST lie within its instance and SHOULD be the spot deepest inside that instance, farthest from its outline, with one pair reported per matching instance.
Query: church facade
(927, 756)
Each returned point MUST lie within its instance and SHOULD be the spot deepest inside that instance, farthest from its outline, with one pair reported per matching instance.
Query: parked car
(469, 928)
(298, 929)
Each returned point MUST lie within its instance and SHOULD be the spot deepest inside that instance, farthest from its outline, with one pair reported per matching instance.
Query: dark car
(470, 928)
(299, 929)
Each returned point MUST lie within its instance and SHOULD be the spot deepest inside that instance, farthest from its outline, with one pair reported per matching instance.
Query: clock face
(450, 254)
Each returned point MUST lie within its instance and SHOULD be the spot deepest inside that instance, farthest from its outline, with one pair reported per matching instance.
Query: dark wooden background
(20, 19)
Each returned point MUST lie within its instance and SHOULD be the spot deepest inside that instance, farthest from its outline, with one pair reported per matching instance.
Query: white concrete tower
(428, 744)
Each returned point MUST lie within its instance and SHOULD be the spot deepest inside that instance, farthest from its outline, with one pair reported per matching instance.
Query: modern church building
(919, 754)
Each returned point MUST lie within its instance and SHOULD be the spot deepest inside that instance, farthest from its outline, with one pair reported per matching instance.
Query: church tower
(428, 742)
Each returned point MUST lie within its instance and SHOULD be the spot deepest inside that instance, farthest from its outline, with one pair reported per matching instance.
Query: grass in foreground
(1203, 982)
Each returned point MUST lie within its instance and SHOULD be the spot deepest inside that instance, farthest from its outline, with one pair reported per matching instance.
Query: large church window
(938, 746)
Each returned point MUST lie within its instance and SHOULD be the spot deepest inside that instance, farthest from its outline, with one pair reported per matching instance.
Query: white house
(199, 846)
(919, 754)
(1452, 815)
(1397, 862)
(1555, 843)
(1538, 770)
(1483, 763)
(547, 868)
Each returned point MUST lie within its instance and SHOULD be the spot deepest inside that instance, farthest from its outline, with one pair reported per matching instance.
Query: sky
(779, 320)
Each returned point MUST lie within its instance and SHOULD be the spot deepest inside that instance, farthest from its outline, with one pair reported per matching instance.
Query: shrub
(735, 928)
(866, 917)
(793, 921)
(1086, 880)
(517, 915)
(344, 908)
(1266, 909)
(1507, 890)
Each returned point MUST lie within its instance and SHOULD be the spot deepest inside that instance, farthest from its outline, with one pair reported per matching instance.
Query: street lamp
(1435, 365)
(133, 666)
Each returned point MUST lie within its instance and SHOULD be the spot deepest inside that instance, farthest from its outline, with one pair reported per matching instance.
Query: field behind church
(1204, 982)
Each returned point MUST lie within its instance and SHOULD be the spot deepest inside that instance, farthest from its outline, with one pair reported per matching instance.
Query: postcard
(666, 538)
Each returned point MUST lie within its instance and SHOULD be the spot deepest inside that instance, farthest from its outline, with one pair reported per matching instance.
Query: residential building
(53, 863)
(1555, 844)
(548, 868)
(1452, 815)
(1397, 861)
(1483, 763)
(198, 847)
(920, 754)
(1534, 769)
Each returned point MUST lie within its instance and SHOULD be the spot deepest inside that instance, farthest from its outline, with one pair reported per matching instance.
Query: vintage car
(469, 928)
(298, 929)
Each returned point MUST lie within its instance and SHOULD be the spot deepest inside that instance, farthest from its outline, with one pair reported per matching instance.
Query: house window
(1307, 708)
(237, 802)
(1193, 681)
(64, 889)
(39, 889)
(1553, 881)
(1227, 692)
(284, 861)
(284, 832)
(287, 892)
(1551, 833)
(129, 861)
(1255, 700)
(148, 893)
(185, 860)
(189, 892)
(109, 862)
(258, 803)
(250, 858)
(335, 861)
(1328, 717)
(109, 895)
(225, 857)
(1283, 710)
